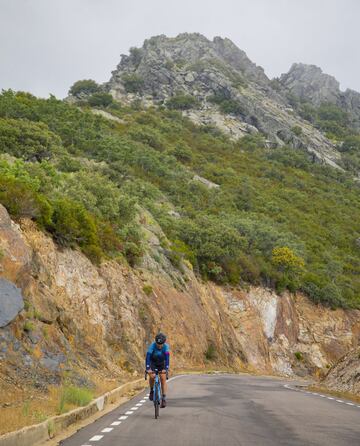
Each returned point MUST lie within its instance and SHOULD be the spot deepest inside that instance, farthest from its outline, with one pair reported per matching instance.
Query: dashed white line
(115, 423)
(96, 438)
(142, 401)
(129, 412)
(287, 386)
(134, 408)
(107, 429)
(123, 417)
(138, 404)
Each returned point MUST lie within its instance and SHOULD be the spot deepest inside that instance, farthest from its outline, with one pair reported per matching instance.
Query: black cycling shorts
(159, 367)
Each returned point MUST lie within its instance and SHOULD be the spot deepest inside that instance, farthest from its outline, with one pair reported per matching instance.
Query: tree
(84, 87)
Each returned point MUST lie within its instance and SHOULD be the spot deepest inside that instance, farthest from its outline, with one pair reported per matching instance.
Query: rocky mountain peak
(213, 82)
(308, 82)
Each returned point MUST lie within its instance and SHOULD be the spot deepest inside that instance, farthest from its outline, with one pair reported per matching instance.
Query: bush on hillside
(84, 87)
(28, 140)
(182, 102)
(133, 83)
(100, 99)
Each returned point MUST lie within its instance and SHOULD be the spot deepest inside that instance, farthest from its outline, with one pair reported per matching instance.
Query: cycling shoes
(163, 403)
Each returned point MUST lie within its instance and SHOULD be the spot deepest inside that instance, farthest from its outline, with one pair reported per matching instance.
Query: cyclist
(158, 357)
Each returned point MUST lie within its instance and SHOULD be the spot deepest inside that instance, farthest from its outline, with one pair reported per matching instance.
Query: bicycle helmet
(160, 338)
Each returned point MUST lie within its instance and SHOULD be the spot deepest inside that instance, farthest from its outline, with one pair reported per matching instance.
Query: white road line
(123, 417)
(115, 423)
(146, 397)
(129, 412)
(107, 429)
(96, 438)
(138, 404)
(142, 401)
(287, 386)
(134, 408)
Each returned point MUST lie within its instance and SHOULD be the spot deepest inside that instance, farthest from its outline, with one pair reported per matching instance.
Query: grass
(29, 326)
(77, 396)
(148, 289)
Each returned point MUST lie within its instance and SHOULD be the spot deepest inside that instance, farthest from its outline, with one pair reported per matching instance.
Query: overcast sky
(46, 45)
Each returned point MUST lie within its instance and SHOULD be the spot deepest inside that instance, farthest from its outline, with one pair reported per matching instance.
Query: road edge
(43, 432)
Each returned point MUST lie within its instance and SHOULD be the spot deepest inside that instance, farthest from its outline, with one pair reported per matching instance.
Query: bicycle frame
(157, 391)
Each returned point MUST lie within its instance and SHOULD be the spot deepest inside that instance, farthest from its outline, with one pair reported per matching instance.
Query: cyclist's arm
(148, 357)
(167, 358)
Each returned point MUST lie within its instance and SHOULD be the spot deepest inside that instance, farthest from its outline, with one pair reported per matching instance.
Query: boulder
(11, 302)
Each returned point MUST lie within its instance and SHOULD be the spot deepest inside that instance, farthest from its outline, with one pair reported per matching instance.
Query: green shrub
(297, 130)
(28, 140)
(226, 103)
(78, 396)
(21, 201)
(100, 99)
(136, 55)
(148, 289)
(28, 326)
(84, 87)
(211, 353)
(72, 225)
(182, 102)
(132, 83)
(298, 356)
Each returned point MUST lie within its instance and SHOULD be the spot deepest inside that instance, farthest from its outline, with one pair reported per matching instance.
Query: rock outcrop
(309, 83)
(345, 375)
(95, 322)
(227, 90)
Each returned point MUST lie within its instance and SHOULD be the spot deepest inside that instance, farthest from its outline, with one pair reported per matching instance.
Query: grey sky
(46, 45)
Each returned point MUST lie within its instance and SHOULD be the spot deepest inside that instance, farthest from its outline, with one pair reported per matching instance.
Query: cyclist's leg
(151, 382)
(163, 385)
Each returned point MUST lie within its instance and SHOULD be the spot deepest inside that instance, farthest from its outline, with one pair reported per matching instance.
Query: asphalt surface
(228, 410)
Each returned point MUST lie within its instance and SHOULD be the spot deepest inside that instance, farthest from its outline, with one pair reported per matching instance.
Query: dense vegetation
(277, 219)
(338, 127)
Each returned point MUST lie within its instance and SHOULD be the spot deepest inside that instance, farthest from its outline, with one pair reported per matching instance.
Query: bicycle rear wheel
(157, 405)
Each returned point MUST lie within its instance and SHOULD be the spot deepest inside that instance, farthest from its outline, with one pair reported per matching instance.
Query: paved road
(227, 410)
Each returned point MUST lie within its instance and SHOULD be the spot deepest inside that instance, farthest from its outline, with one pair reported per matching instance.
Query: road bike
(157, 390)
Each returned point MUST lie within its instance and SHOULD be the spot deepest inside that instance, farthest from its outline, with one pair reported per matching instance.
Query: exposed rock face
(11, 302)
(309, 83)
(192, 65)
(96, 321)
(345, 375)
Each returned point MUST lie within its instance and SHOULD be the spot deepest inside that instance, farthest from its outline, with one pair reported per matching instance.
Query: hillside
(237, 211)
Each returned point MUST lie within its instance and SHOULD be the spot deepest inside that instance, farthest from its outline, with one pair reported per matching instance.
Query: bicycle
(157, 390)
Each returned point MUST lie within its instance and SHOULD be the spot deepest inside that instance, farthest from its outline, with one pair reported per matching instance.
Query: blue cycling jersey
(158, 357)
